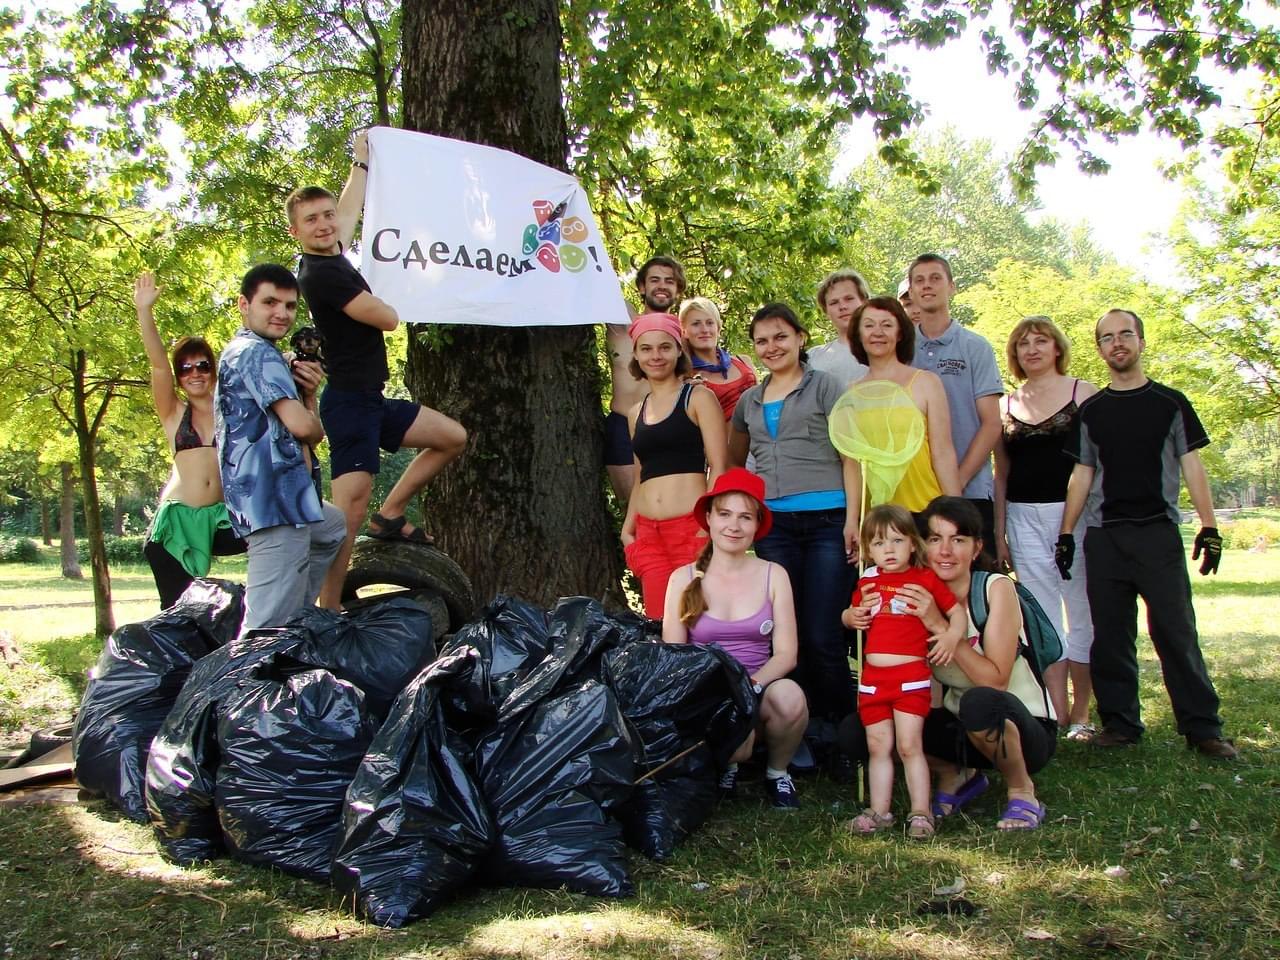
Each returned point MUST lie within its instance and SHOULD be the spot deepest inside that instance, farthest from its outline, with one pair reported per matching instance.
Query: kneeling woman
(744, 604)
(994, 712)
(677, 433)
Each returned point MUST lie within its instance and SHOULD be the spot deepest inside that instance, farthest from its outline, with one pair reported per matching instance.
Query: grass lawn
(1147, 852)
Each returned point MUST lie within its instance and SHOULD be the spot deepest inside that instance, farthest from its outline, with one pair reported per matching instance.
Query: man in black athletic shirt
(1137, 441)
(357, 417)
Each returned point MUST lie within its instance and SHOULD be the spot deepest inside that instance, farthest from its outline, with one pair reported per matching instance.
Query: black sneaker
(782, 792)
(727, 785)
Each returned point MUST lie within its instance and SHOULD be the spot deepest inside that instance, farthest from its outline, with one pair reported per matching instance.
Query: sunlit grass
(1147, 852)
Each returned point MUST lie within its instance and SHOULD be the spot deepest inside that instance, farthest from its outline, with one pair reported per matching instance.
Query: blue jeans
(809, 545)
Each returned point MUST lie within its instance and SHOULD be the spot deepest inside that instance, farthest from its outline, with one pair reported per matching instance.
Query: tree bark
(86, 428)
(523, 511)
(67, 525)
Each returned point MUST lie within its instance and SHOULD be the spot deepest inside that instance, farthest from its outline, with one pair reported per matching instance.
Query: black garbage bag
(691, 707)
(415, 823)
(510, 639)
(553, 774)
(183, 764)
(289, 745)
(379, 647)
(136, 682)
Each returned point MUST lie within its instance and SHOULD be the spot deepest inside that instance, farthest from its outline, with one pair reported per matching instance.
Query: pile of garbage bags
(531, 750)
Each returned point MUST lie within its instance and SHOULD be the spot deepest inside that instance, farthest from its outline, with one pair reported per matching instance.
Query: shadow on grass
(750, 883)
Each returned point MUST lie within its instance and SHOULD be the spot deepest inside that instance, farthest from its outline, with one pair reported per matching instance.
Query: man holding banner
(357, 417)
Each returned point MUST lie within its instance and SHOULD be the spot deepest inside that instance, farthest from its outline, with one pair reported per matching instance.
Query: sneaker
(1217, 747)
(727, 785)
(782, 792)
(1113, 738)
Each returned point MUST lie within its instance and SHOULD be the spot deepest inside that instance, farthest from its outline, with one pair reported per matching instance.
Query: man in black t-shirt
(357, 417)
(1137, 441)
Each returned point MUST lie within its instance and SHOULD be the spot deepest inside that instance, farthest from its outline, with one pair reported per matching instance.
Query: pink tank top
(749, 641)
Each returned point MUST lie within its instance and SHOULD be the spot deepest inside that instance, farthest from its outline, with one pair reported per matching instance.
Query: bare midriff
(195, 481)
(664, 498)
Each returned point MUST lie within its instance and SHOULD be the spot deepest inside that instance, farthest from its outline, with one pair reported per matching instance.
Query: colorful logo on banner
(555, 242)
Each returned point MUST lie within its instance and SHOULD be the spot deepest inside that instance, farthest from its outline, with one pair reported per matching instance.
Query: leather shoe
(1113, 738)
(1218, 747)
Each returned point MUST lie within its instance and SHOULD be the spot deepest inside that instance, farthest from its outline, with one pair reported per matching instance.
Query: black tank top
(1039, 467)
(670, 446)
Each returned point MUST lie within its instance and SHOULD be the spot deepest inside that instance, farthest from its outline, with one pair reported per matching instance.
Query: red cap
(736, 480)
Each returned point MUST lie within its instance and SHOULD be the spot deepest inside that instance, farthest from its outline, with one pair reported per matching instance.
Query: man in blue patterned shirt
(265, 414)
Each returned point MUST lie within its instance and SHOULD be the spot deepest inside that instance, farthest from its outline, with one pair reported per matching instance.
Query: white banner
(455, 232)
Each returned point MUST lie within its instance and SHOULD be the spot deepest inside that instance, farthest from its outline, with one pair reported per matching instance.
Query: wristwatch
(361, 164)
(757, 689)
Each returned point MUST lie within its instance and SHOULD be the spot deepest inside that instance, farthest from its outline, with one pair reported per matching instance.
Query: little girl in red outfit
(894, 688)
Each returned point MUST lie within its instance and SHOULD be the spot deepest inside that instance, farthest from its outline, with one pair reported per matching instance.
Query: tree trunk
(67, 525)
(86, 441)
(117, 516)
(523, 511)
(46, 528)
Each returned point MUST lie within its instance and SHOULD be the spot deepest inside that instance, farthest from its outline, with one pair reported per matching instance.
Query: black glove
(1208, 541)
(1064, 553)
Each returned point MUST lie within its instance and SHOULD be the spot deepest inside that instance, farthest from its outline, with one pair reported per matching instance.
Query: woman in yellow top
(894, 421)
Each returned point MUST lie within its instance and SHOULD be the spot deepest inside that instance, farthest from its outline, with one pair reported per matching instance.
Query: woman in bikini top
(180, 546)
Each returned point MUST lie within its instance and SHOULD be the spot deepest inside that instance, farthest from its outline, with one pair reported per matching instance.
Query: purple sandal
(1024, 814)
(970, 790)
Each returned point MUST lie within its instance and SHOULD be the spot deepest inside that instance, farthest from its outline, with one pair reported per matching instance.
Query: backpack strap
(978, 580)
(979, 584)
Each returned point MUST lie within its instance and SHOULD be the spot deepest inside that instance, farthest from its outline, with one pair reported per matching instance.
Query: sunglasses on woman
(195, 366)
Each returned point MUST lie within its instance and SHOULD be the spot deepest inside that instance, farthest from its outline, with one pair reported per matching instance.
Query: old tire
(426, 597)
(412, 567)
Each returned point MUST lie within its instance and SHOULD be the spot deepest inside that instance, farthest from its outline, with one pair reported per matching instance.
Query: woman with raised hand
(1032, 469)
(678, 435)
(744, 604)
(191, 525)
(812, 492)
(725, 375)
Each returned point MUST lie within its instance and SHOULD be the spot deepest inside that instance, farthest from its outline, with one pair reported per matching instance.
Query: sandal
(868, 822)
(920, 825)
(1025, 814)
(969, 791)
(1081, 731)
(391, 527)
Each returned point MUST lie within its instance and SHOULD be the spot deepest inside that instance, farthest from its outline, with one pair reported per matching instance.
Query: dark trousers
(983, 711)
(1124, 562)
(171, 577)
(809, 545)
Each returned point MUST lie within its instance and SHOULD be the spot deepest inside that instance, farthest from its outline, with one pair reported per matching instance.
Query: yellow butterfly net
(878, 424)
